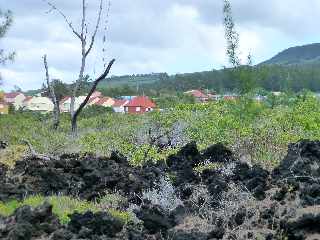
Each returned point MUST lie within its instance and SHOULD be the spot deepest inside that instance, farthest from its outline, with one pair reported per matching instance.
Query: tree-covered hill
(293, 69)
(306, 54)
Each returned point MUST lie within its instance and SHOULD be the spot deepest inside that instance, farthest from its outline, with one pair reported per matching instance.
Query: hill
(306, 54)
(293, 69)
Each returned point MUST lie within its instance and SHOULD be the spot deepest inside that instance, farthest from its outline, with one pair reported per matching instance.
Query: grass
(63, 206)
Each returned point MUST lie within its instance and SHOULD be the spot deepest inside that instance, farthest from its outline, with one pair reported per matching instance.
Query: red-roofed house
(198, 95)
(105, 102)
(118, 105)
(139, 105)
(65, 104)
(96, 94)
(15, 99)
(93, 100)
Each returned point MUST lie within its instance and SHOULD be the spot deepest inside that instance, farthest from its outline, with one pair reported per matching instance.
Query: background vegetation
(260, 131)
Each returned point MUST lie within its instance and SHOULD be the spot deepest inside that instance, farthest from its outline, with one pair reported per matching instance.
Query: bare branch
(95, 84)
(83, 21)
(65, 18)
(36, 155)
(96, 28)
(56, 110)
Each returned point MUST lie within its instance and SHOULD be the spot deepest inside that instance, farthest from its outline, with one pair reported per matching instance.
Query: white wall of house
(42, 104)
(65, 106)
(118, 109)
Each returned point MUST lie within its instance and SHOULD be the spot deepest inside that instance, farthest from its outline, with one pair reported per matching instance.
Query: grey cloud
(150, 35)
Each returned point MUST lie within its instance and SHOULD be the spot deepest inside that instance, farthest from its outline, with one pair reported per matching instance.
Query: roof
(27, 99)
(102, 100)
(96, 94)
(141, 101)
(119, 103)
(64, 99)
(93, 99)
(197, 94)
(12, 95)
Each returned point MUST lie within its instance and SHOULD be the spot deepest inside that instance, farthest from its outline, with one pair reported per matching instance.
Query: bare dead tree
(84, 103)
(86, 47)
(55, 101)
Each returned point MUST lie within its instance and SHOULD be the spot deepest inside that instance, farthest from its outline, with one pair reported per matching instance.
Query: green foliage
(61, 89)
(231, 35)
(95, 110)
(261, 130)
(63, 206)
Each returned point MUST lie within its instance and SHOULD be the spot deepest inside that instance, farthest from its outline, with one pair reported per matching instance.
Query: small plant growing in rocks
(164, 195)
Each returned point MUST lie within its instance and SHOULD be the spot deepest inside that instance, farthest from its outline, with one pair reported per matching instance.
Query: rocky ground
(232, 200)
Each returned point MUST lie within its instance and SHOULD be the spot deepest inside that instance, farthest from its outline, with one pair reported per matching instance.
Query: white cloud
(151, 36)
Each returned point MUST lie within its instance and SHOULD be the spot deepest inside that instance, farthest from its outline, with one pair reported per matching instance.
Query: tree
(86, 48)
(231, 35)
(243, 73)
(61, 89)
(53, 97)
(6, 20)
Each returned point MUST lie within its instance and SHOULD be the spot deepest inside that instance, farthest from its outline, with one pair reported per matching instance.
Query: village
(38, 103)
(123, 104)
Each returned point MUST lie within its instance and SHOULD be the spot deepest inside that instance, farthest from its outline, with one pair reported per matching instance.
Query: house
(214, 97)
(96, 94)
(4, 108)
(65, 104)
(105, 102)
(41, 104)
(93, 101)
(230, 97)
(118, 105)
(26, 101)
(66, 101)
(139, 105)
(198, 95)
(127, 97)
(277, 94)
(15, 99)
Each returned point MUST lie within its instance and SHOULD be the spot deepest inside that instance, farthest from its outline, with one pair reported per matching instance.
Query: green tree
(244, 74)
(61, 89)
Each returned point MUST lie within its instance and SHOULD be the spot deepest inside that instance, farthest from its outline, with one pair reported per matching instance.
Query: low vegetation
(259, 131)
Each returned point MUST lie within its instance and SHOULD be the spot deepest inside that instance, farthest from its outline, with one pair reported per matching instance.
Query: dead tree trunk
(86, 47)
(74, 127)
(55, 101)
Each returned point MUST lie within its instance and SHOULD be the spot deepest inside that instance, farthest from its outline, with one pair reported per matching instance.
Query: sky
(145, 36)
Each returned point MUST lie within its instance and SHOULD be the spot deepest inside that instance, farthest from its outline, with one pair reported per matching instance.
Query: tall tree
(244, 74)
(86, 47)
(231, 35)
(6, 20)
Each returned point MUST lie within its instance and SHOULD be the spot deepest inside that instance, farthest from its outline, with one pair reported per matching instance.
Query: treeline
(269, 77)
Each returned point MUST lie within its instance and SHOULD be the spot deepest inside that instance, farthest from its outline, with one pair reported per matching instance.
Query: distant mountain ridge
(295, 68)
(299, 55)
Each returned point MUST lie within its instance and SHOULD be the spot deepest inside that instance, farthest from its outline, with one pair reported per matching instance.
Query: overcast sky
(145, 36)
